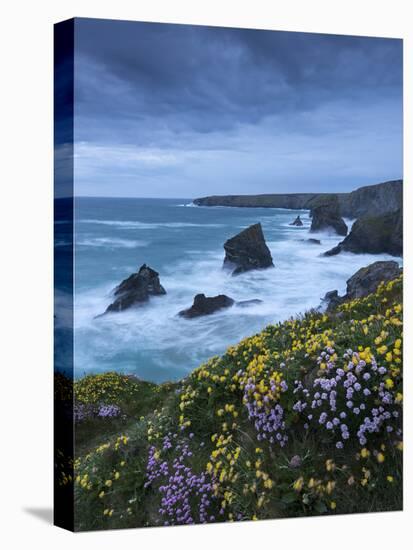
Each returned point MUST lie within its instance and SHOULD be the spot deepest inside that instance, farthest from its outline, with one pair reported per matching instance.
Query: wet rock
(374, 235)
(247, 250)
(297, 222)
(332, 299)
(326, 215)
(204, 305)
(136, 289)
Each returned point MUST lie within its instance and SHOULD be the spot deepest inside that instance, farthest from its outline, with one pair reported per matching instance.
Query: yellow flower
(380, 458)
(365, 452)
(390, 479)
(268, 484)
(108, 483)
(389, 383)
(298, 484)
(101, 494)
(333, 505)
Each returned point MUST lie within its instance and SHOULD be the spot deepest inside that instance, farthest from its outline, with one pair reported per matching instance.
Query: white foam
(111, 243)
(145, 225)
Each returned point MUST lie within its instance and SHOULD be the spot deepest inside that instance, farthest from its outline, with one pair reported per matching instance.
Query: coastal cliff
(371, 200)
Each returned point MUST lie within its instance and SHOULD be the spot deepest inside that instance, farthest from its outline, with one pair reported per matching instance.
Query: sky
(165, 110)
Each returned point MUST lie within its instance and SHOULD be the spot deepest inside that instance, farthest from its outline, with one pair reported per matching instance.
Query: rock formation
(247, 251)
(204, 305)
(374, 235)
(136, 289)
(364, 282)
(367, 279)
(297, 222)
(325, 214)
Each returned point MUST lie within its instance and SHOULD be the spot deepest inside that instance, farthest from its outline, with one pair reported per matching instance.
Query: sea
(113, 237)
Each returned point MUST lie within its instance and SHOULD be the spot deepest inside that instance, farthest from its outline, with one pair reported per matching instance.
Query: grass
(247, 435)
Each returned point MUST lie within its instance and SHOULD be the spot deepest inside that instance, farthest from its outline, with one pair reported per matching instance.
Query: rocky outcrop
(374, 235)
(368, 200)
(364, 282)
(325, 215)
(332, 299)
(297, 222)
(247, 251)
(136, 289)
(204, 305)
(367, 279)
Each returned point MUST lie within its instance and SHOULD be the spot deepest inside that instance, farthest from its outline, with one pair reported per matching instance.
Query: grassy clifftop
(301, 419)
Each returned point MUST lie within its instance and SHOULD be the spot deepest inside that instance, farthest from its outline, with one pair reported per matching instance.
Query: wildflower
(298, 484)
(295, 462)
(380, 457)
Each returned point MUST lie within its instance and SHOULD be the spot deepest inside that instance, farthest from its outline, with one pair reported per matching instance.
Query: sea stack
(325, 214)
(297, 222)
(247, 250)
(204, 305)
(136, 289)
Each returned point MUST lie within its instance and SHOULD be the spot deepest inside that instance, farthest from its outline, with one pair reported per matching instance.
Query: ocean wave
(111, 243)
(150, 225)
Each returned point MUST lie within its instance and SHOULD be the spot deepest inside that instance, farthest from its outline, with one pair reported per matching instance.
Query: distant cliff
(372, 199)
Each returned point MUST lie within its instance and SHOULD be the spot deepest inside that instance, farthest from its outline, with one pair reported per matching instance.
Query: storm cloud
(175, 110)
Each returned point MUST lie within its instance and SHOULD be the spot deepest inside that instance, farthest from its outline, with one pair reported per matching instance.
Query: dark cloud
(192, 90)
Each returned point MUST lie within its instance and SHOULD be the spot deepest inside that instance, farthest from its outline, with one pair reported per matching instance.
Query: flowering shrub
(84, 412)
(186, 496)
(356, 400)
